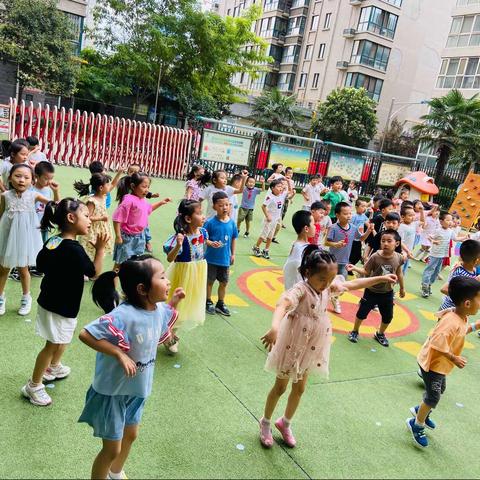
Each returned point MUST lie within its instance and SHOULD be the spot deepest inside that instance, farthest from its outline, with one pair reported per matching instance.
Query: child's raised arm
(41, 199)
(172, 254)
(116, 178)
(160, 203)
(361, 283)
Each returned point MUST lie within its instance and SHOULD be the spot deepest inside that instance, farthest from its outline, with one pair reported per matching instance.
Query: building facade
(392, 48)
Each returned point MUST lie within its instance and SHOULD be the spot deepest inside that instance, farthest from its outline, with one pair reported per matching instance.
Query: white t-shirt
(325, 226)
(274, 204)
(407, 234)
(475, 236)
(313, 193)
(5, 167)
(37, 157)
(291, 275)
(207, 194)
(443, 235)
(352, 196)
(39, 206)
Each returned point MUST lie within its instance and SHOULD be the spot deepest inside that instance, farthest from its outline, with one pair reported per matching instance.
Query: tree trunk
(442, 161)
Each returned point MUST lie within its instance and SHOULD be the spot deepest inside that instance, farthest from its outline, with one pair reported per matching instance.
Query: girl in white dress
(20, 236)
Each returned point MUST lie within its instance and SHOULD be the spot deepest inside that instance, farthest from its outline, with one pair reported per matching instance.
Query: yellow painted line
(469, 346)
(334, 339)
(232, 300)
(429, 315)
(410, 347)
(409, 296)
(262, 262)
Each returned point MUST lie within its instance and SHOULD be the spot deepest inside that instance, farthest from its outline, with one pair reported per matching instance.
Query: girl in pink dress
(300, 337)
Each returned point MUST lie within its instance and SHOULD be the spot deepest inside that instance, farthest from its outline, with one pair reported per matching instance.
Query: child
(277, 173)
(131, 217)
(223, 232)
(304, 226)
(272, 209)
(300, 337)
(235, 182)
(247, 205)
(469, 261)
(334, 195)
(440, 239)
(188, 268)
(431, 225)
(407, 231)
(359, 220)
(291, 190)
(287, 195)
(385, 206)
(386, 260)
(326, 224)
(45, 186)
(402, 197)
(312, 191)
(340, 240)
(392, 222)
(97, 209)
(219, 184)
(20, 238)
(126, 340)
(64, 263)
(322, 223)
(195, 183)
(442, 352)
(35, 154)
(97, 167)
(18, 155)
(352, 192)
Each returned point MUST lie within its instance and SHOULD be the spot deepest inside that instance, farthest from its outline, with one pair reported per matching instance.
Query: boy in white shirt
(407, 231)
(272, 209)
(312, 191)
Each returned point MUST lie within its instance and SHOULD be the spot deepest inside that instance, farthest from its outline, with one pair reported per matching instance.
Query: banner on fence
(4, 122)
(391, 173)
(225, 147)
(348, 167)
(298, 158)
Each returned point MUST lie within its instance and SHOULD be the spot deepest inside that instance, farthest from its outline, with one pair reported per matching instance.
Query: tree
(450, 128)
(190, 54)
(37, 37)
(398, 142)
(274, 111)
(347, 116)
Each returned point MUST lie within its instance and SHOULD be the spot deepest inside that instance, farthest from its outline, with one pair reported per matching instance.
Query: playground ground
(201, 419)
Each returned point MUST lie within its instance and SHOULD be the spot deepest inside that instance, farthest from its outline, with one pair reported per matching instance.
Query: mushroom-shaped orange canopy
(420, 181)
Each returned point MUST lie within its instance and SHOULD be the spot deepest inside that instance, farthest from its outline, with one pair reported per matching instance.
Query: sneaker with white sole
(336, 305)
(25, 305)
(3, 305)
(55, 372)
(37, 395)
(117, 476)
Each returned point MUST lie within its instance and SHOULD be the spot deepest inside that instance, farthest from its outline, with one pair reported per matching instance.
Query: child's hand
(402, 293)
(339, 244)
(54, 186)
(459, 361)
(104, 218)
(165, 200)
(268, 218)
(269, 339)
(262, 179)
(128, 365)
(232, 259)
(390, 278)
(118, 240)
(101, 242)
(180, 238)
(244, 173)
(350, 267)
(178, 294)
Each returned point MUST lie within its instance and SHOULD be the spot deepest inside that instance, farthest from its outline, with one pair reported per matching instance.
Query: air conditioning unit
(349, 32)
(342, 65)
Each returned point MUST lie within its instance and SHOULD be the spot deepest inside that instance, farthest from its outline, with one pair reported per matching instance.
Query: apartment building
(392, 48)
(460, 66)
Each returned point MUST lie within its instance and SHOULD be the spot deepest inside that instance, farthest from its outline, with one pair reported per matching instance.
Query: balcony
(290, 58)
(285, 87)
(349, 32)
(342, 65)
(372, 62)
(356, 3)
(273, 33)
(280, 5)
(295, 31)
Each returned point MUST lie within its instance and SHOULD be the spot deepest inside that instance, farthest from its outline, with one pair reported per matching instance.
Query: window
(328, 18)
(259, 82)
(296, 25)
(459, 73)
(76, 22)
(290, 54)
(461, 3)
(228, 12)
(276, 53)
(316, 77)
(376, 20)
(397, 3)
(465, 31)
(372, 85)
(272, 27)
(270, 5)
(286, 81)
(308, 52)
(370, 54)
(314, 24)
(300, 3)
(303, 80)
(321, 51)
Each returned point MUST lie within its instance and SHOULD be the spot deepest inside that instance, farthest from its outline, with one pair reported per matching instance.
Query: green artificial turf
(201, 419)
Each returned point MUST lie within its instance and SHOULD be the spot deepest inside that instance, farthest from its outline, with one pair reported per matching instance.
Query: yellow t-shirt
(448, 336)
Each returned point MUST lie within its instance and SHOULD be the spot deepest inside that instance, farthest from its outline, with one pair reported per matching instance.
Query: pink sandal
(286, 432)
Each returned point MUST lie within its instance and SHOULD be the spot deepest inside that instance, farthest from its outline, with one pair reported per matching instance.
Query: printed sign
(298, 158)
(226, 148)
(390, 173)
(4, 122)
(346, 166)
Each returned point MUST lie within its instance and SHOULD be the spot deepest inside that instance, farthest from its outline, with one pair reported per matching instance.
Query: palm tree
(275, 111)
(449, 127)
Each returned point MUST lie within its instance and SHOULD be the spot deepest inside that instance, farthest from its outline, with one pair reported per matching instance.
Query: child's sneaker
(221, 308)
(286, 432)
(418, 433)
(37, 395)
(246, 234)
(274, 240)
(256, 251)
(25, 305)
(56, 372)
(34, 272)
(265, 254)
(353, 336)
(425, 290)
(3, 305)
(14, 275)
(429, 423)
(336, 305)
(117, 476)
(266, 438)
(381, 339)
(210, 307)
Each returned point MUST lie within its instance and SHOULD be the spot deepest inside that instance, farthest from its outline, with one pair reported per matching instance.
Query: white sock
(266, 421)
(116, 476)
(287, 421)
(26, 295)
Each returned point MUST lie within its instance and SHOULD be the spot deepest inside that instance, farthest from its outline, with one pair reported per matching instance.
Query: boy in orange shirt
(442, 352)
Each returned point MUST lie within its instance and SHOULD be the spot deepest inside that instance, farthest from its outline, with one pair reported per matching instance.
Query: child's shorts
(268, 229)
(370, 300)
(245, 214)
(217, 272)
(54, 327)
(108, 415)
(132, 245)
(435, 385)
